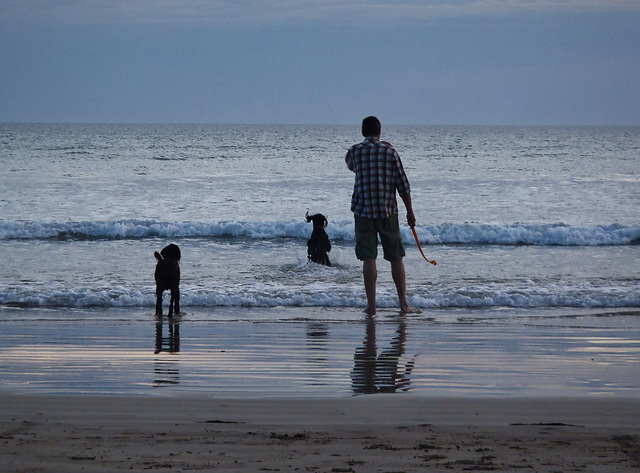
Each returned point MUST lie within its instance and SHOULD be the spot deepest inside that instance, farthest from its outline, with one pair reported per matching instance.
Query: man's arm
(349, 160)
(411, 219)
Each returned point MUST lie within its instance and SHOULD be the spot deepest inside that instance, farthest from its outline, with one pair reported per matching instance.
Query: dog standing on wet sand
(318, 245)
(167, 277)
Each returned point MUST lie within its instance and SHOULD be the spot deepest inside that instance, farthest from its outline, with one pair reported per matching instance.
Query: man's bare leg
(399, 278)
(370, 273)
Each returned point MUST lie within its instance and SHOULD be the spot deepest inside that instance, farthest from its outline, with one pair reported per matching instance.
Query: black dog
(318, 245)
(168, 277)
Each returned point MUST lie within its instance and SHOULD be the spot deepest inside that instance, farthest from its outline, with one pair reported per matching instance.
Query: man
(379, 175)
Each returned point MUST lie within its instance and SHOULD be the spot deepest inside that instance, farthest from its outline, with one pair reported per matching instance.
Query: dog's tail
(158, 256)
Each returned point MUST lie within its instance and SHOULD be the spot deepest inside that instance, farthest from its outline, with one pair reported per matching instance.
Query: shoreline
(364, 433)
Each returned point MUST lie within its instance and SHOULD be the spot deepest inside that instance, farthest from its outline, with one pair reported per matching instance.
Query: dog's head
(171, 251)
(318, 220)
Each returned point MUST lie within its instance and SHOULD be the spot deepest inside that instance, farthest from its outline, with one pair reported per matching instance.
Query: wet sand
(308, 354)
(379, 433)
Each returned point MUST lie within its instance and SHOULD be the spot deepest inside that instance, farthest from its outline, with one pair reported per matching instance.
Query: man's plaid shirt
(379, 174)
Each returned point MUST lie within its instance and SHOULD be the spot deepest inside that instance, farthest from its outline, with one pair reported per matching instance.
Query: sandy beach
(104, 394)
(380, 433)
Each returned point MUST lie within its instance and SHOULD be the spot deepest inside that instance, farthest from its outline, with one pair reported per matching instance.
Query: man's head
(371, 127)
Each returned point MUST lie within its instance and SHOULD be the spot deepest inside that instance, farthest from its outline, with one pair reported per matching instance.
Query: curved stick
(415, 235)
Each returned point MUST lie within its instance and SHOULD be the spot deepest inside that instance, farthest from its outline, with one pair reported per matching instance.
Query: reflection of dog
(318, 245)
(168, 277)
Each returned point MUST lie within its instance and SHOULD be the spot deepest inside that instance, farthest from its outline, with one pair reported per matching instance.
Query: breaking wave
(435, 234)
(510, 294)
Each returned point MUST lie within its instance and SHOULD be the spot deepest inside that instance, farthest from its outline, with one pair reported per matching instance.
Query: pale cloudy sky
(492, 62)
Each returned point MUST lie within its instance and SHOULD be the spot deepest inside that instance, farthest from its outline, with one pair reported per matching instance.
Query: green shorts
(367, 231)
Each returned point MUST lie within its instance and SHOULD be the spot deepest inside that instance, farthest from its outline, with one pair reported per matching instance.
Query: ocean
(533, 224)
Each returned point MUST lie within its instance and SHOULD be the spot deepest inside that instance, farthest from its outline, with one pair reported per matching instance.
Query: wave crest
(445, 233)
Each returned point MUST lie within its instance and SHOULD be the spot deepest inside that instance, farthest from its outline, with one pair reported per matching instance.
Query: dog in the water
(168, 277)
(318, 245)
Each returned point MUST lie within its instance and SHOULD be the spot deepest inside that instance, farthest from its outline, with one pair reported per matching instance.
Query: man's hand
(411, 219)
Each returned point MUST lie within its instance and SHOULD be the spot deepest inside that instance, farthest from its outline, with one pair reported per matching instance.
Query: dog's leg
(177, 299)
(171, 304)
(159, 302)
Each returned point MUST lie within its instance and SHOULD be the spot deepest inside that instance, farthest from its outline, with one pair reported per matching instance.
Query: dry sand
(378, 433)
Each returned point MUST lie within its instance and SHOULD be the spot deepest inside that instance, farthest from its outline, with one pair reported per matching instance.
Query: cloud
(235, 13)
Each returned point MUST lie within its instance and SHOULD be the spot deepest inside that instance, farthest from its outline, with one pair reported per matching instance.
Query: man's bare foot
(410, 310)
(370, 311)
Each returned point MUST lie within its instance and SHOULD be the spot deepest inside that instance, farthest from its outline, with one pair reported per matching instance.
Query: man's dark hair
(371, 127)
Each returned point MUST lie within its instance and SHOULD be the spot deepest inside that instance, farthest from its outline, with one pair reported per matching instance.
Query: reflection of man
(379, 175)
(374, 373)
(363, 376)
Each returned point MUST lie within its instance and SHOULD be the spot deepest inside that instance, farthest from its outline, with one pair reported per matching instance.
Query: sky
(419, 62)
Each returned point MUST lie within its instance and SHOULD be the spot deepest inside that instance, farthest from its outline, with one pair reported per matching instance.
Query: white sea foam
(446, 233)
(520, 295)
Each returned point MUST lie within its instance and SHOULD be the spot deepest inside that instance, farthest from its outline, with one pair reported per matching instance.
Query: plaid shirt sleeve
(379, 174)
